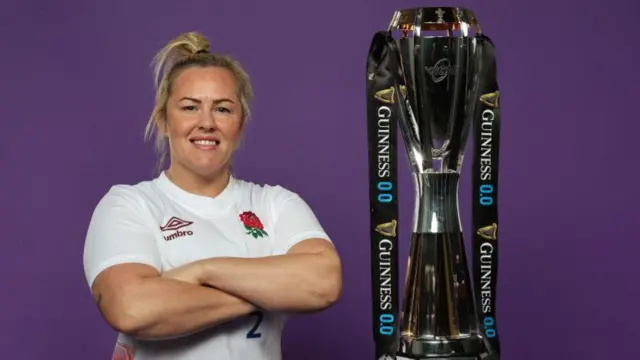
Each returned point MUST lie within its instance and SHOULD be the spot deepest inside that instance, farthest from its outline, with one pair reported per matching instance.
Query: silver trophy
(442, 87)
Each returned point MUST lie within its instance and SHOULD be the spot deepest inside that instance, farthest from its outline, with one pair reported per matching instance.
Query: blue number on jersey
(253, 334)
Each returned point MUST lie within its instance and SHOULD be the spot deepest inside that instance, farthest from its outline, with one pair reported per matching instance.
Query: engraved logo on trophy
(488, 232)
(388, 95)
(491, 99)
(440, 70)
(388, 228)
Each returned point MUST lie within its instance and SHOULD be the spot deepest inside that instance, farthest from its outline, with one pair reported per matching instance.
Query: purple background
(76, 92)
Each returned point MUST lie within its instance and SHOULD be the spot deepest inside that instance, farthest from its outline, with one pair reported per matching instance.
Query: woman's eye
(189, 108)
(223, 109)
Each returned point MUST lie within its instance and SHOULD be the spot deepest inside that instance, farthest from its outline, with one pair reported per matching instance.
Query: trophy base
(438, 358)
(483, 357)
(470, 348)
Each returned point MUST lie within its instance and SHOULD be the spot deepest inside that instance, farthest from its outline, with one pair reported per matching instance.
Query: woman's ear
(241, 136)
(163, 125)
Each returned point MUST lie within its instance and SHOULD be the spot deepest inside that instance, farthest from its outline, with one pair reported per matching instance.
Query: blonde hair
(184, 51)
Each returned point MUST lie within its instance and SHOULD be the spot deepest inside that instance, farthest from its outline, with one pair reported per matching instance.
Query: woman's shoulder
(132, 196)
(267, 192)
(131, 190)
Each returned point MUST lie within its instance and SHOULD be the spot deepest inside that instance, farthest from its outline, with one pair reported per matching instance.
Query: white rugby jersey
(157, 223)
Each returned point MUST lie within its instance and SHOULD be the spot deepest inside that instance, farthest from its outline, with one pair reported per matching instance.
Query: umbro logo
(174, 224)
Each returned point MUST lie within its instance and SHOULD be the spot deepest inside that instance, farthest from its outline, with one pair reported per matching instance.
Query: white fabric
(127, 226)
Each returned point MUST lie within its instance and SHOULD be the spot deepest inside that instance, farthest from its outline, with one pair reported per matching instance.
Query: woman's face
(204, 120)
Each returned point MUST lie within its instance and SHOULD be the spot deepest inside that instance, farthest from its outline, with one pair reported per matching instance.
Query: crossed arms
(122, 264)
(137, 300)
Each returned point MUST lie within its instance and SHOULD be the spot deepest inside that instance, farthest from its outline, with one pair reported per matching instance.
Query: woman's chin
(209, 170)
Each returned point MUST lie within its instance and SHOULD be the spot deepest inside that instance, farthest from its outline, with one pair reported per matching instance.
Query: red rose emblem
(252, 224)
(250, 219)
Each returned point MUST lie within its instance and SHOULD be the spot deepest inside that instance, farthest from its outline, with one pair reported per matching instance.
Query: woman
(196, 264)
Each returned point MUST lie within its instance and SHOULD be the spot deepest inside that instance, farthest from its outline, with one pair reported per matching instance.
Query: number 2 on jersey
(253, 333)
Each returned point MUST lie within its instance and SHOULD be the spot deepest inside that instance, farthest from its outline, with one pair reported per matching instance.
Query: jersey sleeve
(294, 221)
(119, 232)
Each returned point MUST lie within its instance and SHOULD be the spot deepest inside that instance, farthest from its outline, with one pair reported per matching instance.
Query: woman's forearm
(160, 308)
(286, 283)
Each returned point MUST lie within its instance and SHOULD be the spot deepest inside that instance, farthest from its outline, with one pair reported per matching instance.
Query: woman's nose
(207, 120)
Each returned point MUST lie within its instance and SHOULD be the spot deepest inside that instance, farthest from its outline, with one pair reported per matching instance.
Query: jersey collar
(199, 203)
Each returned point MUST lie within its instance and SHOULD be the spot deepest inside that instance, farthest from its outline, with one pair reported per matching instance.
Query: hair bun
(188, 44)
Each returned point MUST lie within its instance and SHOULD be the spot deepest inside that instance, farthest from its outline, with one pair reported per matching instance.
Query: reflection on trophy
(442, 86)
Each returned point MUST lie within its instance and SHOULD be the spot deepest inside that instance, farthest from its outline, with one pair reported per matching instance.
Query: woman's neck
(210, 186)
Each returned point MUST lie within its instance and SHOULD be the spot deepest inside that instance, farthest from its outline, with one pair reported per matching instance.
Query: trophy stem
(438, 315)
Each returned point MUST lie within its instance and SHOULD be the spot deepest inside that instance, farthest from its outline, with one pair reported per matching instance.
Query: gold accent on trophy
(388, 95)
(488, 232)
(491, 99)
(388, 228)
